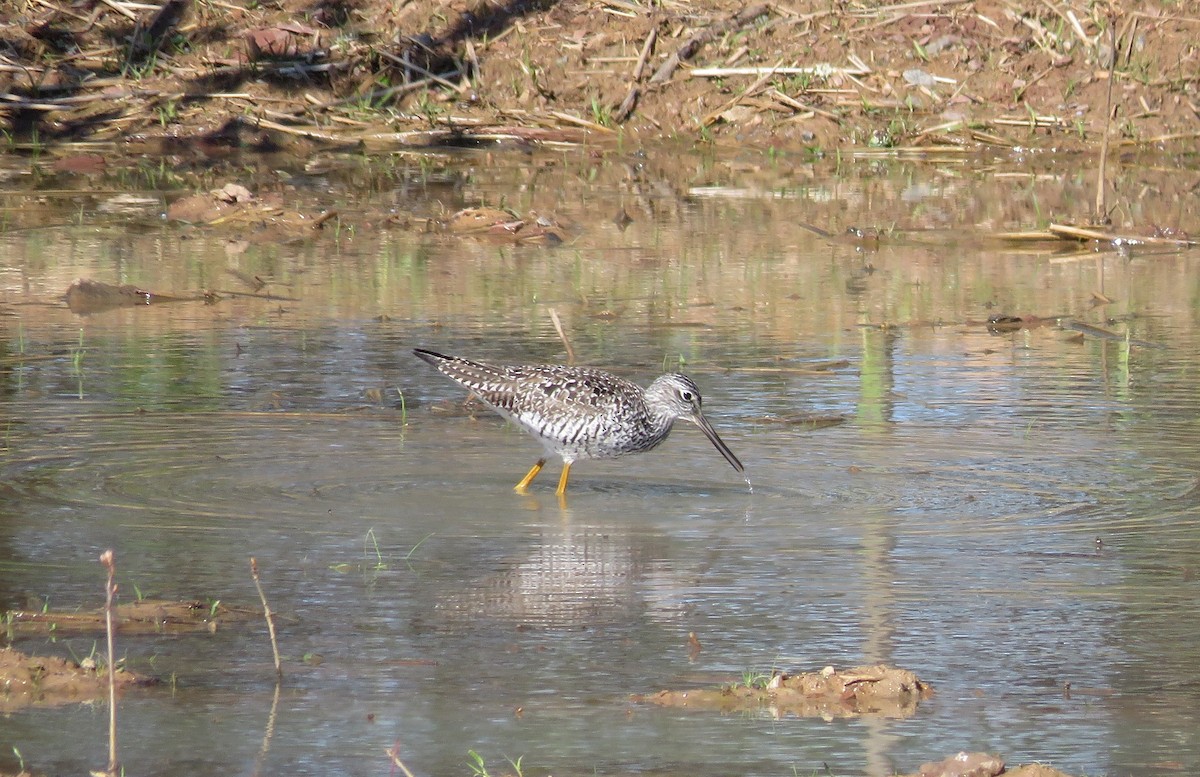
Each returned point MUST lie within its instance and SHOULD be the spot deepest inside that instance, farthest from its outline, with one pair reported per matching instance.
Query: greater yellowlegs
(579, 412)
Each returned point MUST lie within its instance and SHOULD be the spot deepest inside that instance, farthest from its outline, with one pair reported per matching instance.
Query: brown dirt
(955, 74)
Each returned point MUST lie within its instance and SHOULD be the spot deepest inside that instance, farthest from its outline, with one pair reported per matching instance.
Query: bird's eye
(687, 396)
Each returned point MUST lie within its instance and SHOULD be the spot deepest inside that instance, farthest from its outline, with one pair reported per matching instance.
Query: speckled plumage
(580, 412)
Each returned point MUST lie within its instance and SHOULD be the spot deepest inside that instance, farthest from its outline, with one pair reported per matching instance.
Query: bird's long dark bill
(720, 445)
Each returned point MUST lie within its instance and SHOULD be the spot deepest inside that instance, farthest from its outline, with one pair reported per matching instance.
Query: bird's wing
(536, 393)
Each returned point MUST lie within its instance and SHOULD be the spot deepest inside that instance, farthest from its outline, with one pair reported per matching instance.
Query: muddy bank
(956, 76)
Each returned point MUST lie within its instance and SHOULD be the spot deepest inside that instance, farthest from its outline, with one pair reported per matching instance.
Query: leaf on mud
(918, 77)
(233, 193)
(281, 42)
(298, 28)
(193, 209)
(505, 227)
(86, 164)
(738, 114)
(204, 208)
(472, 220)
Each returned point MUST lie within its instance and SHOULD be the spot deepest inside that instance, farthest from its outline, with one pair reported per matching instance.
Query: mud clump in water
(982, 765)
(48, 681)
(871, 690)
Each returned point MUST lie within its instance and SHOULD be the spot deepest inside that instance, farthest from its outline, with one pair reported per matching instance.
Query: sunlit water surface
(1003, 514)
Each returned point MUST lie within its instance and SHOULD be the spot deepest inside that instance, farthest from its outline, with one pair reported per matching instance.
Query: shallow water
(1002, 514)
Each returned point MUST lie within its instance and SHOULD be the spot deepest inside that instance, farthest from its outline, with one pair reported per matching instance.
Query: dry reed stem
(120, 8)
(268, 615)
(562, 335)
(1101, 206)
(625, 109)
(108, 559)
(1069, 232)
(393, 754)
(751, 90)
(591, 125)
(460, 88)
(698, 39)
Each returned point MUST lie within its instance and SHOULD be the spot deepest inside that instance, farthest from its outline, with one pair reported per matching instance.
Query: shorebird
(580, 412)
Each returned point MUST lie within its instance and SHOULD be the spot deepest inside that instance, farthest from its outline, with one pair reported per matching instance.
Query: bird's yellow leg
(529, 476)
(562, 479)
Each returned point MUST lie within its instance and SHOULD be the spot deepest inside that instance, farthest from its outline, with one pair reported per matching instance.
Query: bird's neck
(659, 425)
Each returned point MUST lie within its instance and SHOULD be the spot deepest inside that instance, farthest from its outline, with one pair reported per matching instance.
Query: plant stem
(110, 589)
(267, 614)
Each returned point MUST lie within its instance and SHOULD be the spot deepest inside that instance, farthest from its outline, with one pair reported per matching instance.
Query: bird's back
(577, 412)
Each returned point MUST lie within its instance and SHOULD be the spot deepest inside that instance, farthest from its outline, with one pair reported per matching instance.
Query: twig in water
(110, 590)
(393, 753)
(562, 335)
(267, 614)
(326, 216)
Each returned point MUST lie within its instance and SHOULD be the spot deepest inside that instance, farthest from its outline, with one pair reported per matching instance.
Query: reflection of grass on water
(669, 364)
(403, 408)
(379, 564)
(370, 545)
(77, 362)
(413, 549)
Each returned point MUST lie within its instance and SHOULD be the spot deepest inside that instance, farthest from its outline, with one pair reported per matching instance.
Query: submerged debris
(1151, 235)
(1004, 322)
(803, 420)
(1001, 323)
(506, 227)
(266, 218)
(87, 296)
(147, 616)
(867, 690)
